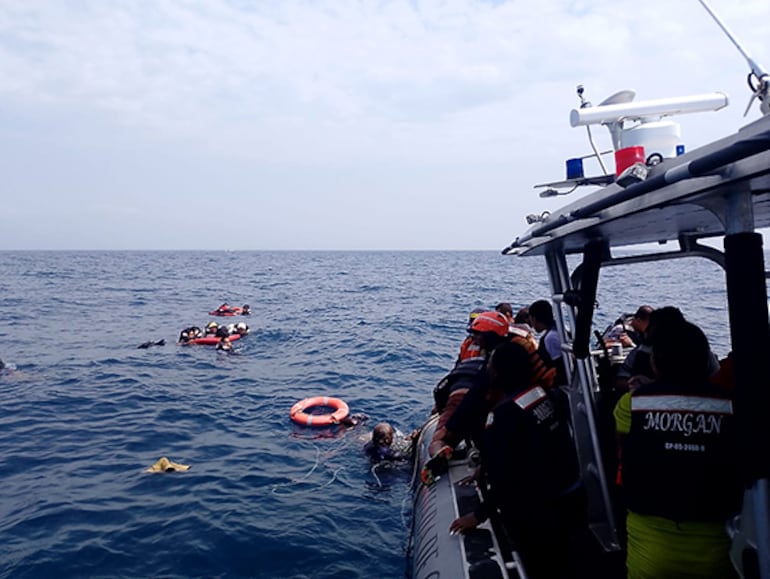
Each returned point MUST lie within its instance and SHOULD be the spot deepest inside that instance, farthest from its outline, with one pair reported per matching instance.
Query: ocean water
(85, 412)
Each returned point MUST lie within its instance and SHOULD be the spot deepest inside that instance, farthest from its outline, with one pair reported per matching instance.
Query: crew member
(528, 460)
(678, 463)
(470, 348)
(542, 320)
(488, 329)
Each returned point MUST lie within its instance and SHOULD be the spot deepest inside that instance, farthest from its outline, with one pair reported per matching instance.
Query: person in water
(190, 334)
(150, 343)
(7, 369)
(387, 444)
(224, 342)
(211, 329)
(228, 310)
(241, 328)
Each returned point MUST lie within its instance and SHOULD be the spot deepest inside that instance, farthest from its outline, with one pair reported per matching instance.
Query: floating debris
(165, 465)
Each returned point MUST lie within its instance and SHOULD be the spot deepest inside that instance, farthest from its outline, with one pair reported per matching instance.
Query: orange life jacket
(541, 375)
(469, 349)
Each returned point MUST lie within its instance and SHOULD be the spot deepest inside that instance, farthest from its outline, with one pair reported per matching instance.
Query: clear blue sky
(331, 124)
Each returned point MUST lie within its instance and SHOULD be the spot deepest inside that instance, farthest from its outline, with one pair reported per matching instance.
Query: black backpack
(462, 375)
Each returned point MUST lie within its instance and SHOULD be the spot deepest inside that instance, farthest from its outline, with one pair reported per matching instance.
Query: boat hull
(434, 552)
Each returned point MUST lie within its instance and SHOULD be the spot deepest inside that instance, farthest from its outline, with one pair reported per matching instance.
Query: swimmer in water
(8, 369)
(224, 342)
(387, 444)
(241, 328)
(146, 345)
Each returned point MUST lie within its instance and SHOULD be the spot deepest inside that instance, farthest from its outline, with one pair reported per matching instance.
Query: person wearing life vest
(211, 329)
(523, 321)
(470, 348)
(541, 374)
(190, 334)
(228, 310)
(488, 330)
(679, 473)
(529, 463)
(541, 317)
(459, 379)
(466, 422)
(241, 328)
(224, 342)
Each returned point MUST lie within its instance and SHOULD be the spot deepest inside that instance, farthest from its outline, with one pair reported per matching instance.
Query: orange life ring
(298, 414)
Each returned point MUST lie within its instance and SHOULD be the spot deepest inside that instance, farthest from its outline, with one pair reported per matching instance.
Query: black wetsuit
(463, 376)
(467, 421)
(379, 453)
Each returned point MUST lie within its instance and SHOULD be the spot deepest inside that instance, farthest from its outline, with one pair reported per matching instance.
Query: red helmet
(494, 322)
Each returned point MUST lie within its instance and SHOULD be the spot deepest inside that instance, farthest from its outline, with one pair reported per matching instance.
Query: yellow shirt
(622, 414)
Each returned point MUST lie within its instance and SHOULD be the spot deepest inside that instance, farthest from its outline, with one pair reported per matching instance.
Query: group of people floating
(227, 310)
(676, 476)
(223, 333)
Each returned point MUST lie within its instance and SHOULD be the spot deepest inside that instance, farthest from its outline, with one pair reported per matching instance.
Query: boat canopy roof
(720, 188)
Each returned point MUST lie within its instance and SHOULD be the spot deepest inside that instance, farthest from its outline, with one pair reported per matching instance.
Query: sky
(330, 124)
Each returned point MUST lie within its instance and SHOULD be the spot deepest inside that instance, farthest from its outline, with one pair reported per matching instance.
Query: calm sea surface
(85, 412)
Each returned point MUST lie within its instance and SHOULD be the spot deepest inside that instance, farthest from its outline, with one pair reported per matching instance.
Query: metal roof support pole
(747, 305)
(593, 253)
(558, 273)
(582, 407)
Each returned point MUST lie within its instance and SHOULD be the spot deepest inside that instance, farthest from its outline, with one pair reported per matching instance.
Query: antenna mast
(759, 80)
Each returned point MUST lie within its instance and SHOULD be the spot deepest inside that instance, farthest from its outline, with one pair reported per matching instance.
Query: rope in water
(303, 479)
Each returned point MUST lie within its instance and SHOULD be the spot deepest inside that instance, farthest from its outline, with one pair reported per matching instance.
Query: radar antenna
(759, 80)
(584, 103)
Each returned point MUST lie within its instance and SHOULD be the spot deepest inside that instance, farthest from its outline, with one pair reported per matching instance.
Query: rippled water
(85, 411)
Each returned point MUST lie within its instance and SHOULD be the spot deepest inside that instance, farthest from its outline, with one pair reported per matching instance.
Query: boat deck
(485, 552)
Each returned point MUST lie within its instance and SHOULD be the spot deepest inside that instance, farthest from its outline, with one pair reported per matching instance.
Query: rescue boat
(659, 194)
(719, 192)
